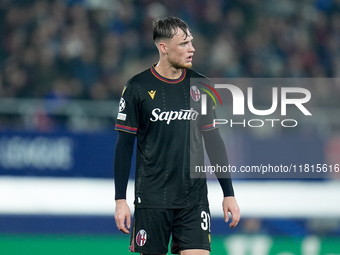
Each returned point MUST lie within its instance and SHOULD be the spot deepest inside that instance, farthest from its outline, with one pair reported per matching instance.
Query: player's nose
(191, 48)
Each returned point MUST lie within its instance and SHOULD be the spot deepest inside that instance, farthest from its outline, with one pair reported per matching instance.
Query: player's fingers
(120, 222)
(125, 230)
(128, 221)
(235, 218)
(226, 214)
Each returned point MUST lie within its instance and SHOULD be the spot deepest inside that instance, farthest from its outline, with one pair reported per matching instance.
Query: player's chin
(182, 65)
(187, 65)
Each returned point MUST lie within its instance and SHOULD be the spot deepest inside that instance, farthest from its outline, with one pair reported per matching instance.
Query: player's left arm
(217, 154)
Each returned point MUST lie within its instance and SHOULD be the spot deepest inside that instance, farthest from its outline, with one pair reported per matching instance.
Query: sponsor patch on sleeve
(121, 116)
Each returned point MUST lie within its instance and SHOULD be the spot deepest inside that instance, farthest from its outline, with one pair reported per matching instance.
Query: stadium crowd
(87, 49)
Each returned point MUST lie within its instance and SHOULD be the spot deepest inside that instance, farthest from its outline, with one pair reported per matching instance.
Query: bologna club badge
(195, 93)
(141, 237)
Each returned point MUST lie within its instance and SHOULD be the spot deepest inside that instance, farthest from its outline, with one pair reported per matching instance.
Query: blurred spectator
(97, 44)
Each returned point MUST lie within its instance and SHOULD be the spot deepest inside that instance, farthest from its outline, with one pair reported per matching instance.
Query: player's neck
(168, 71)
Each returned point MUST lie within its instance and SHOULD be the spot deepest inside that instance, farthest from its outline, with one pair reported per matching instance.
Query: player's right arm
(122, 165)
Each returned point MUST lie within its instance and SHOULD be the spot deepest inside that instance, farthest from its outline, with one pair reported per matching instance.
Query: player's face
(180, 50)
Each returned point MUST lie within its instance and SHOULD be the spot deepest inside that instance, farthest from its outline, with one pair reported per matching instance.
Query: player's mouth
(189, 59)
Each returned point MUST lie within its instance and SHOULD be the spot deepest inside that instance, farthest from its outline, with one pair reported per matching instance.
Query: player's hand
(122, 216)
(230, 205)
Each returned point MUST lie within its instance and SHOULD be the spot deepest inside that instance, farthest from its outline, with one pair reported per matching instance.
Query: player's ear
(162, 47)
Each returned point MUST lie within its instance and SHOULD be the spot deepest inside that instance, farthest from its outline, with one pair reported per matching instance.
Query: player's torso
(168, 115)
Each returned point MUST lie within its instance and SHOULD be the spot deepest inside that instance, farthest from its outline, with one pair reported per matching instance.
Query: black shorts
(152, 228)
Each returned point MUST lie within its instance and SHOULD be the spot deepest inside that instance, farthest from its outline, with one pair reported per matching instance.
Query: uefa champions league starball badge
(121, 104)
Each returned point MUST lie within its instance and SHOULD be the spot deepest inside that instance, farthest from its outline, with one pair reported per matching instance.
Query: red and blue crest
(141, 237)
(195, 93)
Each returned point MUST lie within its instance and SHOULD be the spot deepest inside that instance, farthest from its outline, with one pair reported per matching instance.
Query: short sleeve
(127, 117)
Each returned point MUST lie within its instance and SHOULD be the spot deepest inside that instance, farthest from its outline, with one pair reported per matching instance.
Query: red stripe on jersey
(132, 244)
(126, 129)
(162, 78)
(208, 127)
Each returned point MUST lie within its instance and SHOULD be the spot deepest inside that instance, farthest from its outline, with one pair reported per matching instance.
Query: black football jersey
(165, 114)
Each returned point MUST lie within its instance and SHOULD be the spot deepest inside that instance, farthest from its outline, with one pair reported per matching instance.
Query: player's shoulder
(194, 74)
(195, 77)
(140, 78)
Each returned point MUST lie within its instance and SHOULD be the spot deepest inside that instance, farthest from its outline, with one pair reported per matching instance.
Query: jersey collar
(165, 79)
